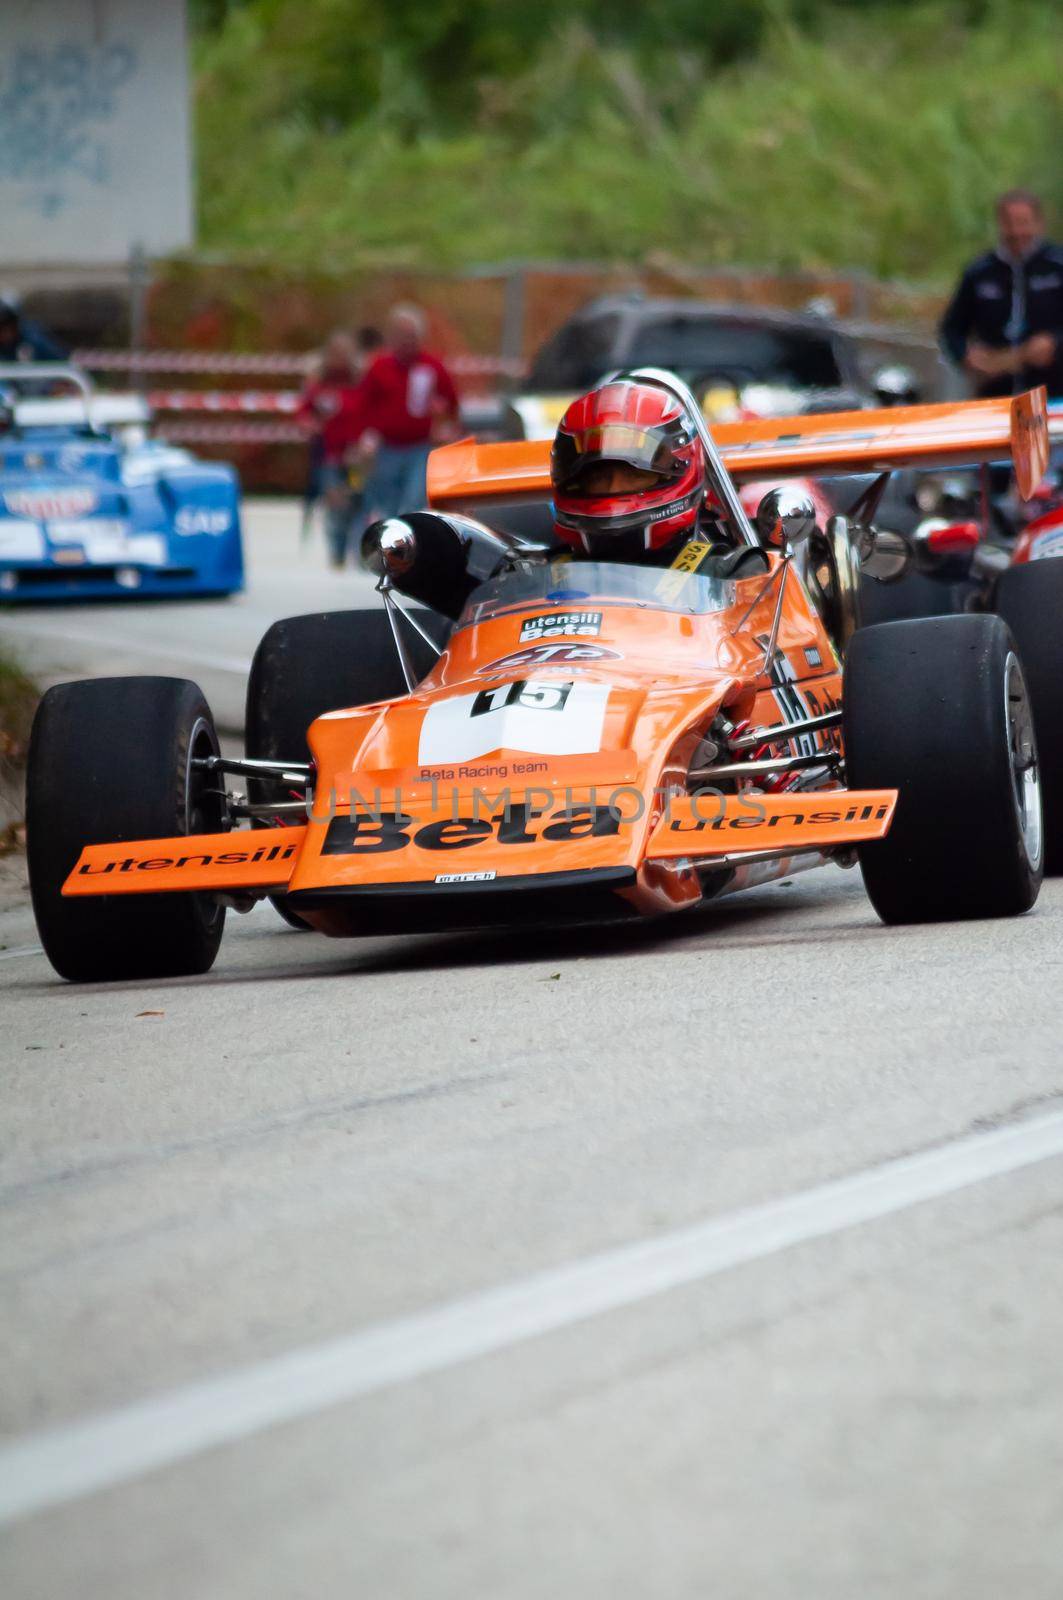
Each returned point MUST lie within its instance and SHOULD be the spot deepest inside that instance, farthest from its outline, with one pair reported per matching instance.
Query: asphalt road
(718, 1258)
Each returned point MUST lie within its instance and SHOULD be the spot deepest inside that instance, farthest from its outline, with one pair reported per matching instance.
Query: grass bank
(18, 701)
(872, 137)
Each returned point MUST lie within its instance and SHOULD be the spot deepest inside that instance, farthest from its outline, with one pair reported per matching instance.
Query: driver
(628, 475)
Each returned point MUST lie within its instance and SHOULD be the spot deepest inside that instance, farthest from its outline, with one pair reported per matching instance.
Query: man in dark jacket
(1004, 324)
(23, 340)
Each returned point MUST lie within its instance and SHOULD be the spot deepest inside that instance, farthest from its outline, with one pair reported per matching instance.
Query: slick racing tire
(938, 709)
(1030, 599)
(307, 665)
(111, 759)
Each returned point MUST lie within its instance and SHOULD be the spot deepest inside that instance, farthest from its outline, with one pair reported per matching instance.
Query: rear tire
(307, 665)
(935, 708)
(109, 761)
(1030, 600)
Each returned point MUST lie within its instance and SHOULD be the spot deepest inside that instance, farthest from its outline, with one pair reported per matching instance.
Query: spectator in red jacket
(407, 403)
(326, 408)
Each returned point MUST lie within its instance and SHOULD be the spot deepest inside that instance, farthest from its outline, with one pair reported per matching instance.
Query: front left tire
(110, 759)
(307, 665)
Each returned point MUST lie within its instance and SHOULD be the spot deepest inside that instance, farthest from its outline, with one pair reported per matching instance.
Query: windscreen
(576, 357)
(575, 586)
(697, 346)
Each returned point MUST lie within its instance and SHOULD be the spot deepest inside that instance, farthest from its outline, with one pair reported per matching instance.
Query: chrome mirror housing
(389, 548)
(785, 517)
(882, 553)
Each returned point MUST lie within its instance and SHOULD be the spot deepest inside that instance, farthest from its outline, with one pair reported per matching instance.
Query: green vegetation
(18, 701)
(782, 133)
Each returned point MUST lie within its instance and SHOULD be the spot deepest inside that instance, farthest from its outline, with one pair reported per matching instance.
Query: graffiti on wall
(57, 107)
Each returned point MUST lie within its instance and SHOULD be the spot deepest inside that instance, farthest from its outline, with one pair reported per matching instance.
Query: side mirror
(785, 517)
(883, 554)
(389, 548)
(436, 560)
(897, 385)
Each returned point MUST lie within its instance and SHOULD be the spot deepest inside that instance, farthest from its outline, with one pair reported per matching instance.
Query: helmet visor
(581, 461)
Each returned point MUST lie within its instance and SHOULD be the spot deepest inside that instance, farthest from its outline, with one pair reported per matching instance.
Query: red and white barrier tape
(274, 363)
(277, 402)
(228, 433)
(195, 361)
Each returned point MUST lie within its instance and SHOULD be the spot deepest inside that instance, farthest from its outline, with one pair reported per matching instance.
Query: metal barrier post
(138, 307)
(513, 311)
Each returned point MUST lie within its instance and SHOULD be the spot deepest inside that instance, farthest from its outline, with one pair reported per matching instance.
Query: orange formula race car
(564, 739)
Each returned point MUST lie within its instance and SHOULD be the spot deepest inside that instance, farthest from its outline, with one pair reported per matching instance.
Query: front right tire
(1030, 600)
(938, 708)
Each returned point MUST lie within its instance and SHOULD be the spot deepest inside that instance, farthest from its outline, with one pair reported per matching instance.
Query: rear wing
(99, 411)
(955, 434)
(103, 411)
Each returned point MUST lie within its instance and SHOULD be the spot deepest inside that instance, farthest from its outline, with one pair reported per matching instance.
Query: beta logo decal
(551, 655)
(546, 717)
(47, 504)
(583, 623)
(202, 519)
(381, 832)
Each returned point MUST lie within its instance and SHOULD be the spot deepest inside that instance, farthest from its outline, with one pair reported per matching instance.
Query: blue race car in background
(92, 508)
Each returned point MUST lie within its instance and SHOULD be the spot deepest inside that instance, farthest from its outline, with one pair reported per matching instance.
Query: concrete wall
(95, 154)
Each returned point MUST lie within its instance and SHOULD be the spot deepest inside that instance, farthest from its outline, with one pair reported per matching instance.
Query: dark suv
(710, 346)
(694, 340)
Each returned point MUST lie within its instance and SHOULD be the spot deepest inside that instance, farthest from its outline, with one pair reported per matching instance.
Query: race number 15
(533, 696)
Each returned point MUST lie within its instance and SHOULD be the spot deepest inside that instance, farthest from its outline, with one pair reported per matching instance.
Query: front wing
(389, 851)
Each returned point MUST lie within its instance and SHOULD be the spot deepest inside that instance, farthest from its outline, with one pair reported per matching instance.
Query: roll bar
(718, 474)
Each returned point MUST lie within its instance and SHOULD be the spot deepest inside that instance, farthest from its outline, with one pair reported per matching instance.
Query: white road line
(23, 950)
(64, 1463)
(130, 644)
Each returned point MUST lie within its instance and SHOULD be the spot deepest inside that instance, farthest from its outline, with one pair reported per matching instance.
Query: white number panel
(549, 718)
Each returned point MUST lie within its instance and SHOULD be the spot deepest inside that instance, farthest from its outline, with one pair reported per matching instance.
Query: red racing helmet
(628, 473)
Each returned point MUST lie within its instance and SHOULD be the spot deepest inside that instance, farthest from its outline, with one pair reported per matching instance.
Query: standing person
(407, 403)
(367, 342)
(1004, 324)
(325, 409)
(21, 339)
